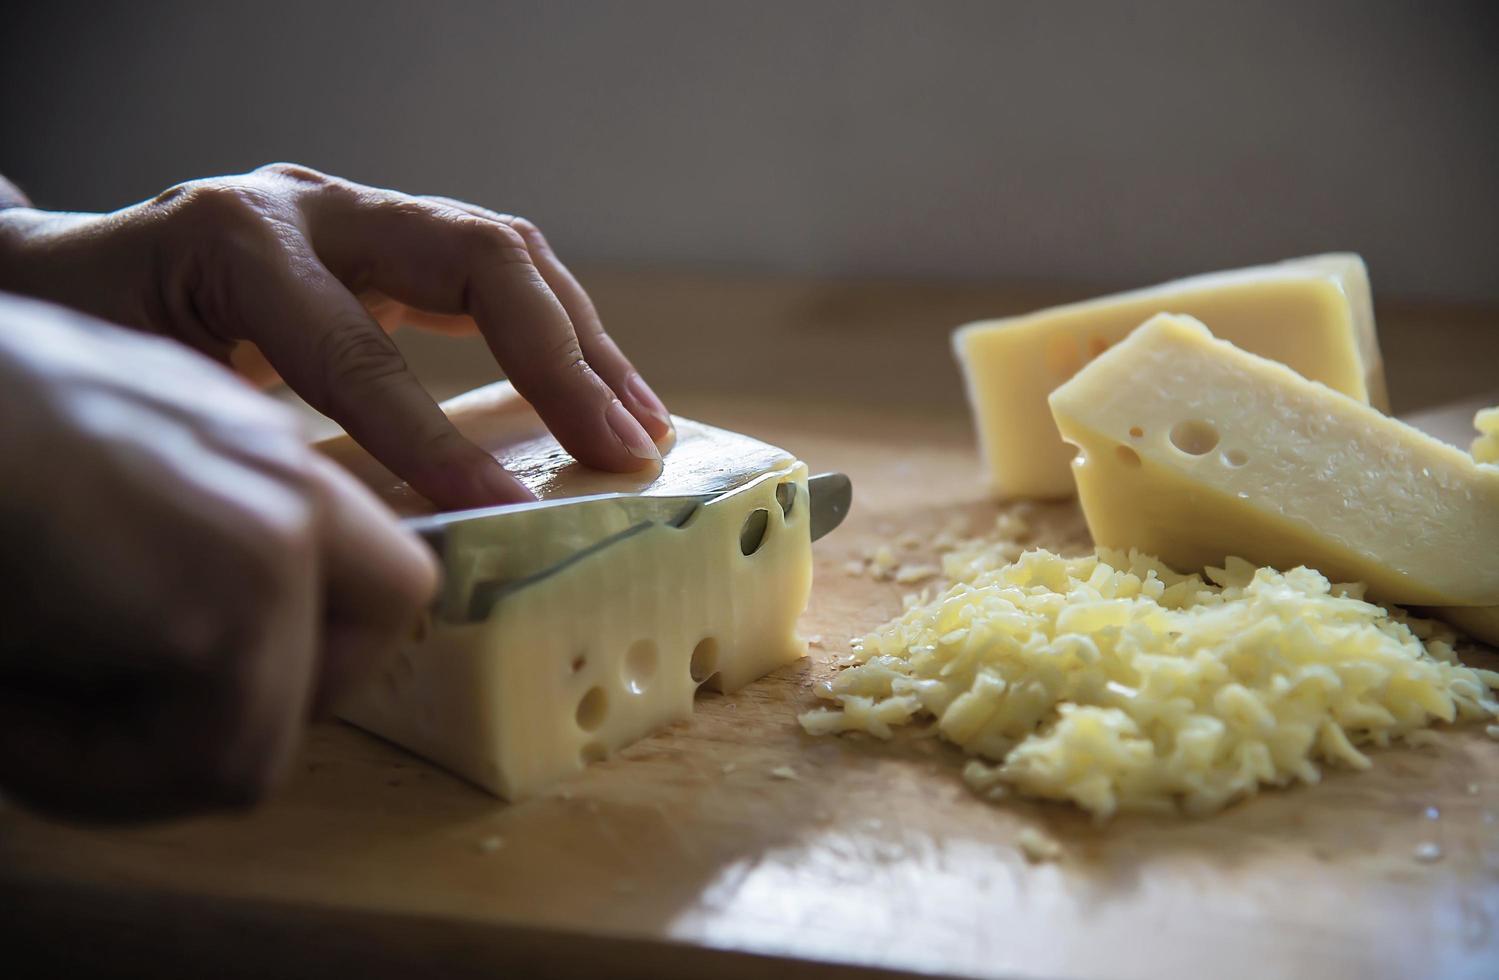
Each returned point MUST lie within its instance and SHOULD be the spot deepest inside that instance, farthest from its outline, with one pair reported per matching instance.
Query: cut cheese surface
(1314, 314)
(1194, 450)
(581, 663)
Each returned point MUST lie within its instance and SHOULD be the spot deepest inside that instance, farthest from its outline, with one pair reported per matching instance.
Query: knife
(490, 552)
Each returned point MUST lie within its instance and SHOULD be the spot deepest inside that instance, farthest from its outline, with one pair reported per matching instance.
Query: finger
(335, 356)
(448, 261)
(598, 347)
(379, 579)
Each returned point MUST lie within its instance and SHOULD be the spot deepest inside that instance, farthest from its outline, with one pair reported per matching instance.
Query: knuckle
(495, 242)
(294, 171)
(355, 355)
(566, 357)
(222, 202)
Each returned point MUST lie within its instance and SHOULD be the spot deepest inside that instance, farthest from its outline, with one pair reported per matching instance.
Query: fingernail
(629, 432)
(648, 400)
(504, 487)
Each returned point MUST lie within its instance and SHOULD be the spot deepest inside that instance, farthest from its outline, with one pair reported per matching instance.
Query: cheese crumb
(1114, 683)
(784, 772)
(909, 573)
(1427, 851)
(1486, 446)
(1010, 526)
(1037, 847)
(882, 562)
(854, 566)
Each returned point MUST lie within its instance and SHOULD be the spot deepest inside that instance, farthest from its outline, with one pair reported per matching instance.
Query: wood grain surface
(688, 855)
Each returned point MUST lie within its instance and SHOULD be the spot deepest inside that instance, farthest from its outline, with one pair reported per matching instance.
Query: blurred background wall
(1080, 143)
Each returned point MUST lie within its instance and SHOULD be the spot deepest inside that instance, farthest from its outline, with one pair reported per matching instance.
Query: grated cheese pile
(1117, 684)
(1486, 446)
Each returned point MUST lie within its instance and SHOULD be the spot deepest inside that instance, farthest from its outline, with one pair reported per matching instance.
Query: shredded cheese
(1117, 684)
(1486, 446)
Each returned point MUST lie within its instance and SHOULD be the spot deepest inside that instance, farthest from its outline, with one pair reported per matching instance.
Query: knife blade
(489, 552)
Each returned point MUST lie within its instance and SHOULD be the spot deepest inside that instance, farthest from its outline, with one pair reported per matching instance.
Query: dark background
(1078, 143)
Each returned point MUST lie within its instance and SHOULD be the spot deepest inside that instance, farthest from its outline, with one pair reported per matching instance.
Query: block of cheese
(1313, 314)
(581, 663)
(1194, 450)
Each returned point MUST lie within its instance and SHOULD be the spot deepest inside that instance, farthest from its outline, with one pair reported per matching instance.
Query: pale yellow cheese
(1314, 314)
(1479, 622)
(1192, 449)
(581, 664)
(1486, 446)
(1117, 684)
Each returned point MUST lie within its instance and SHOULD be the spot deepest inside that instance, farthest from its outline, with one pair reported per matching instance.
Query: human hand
(295, 262)
(183, 578)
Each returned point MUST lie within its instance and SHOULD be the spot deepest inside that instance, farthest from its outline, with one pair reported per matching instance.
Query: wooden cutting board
(691, 855)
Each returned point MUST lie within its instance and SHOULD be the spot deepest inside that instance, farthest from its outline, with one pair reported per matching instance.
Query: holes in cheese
(1194, 437)
(786, 497)
(752, 534)
(704, 659)
(1314, 314)
(1316, 478)
(592, 708)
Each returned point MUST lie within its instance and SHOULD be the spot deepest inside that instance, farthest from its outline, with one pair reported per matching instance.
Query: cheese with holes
(1193, 450)
(1313, 314)
(581, 663)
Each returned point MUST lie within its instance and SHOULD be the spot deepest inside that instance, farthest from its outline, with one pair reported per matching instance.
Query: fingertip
(502, 486)
(648, 408)
(468, 478)
(632, 435)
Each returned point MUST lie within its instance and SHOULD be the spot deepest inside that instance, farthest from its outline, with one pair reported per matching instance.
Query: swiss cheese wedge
(1194, 450)
(1313, 314)
(581, 663)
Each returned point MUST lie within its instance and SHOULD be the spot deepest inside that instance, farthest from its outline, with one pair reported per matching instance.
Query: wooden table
(686, 856)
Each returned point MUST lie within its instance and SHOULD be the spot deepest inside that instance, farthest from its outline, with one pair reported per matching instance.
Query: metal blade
(831, 494)
(490, 552)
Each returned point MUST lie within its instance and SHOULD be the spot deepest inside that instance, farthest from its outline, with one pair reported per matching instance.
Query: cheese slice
(1194, 450)
(581, 663)
(1313, 314)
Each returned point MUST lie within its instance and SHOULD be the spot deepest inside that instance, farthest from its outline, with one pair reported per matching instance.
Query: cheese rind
(1193, 450)
(1314, 314)
(581, 663)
